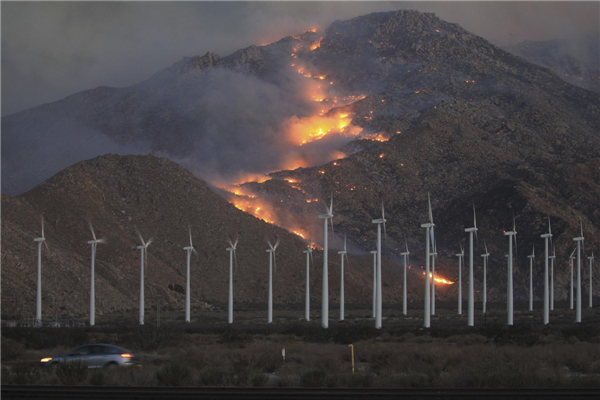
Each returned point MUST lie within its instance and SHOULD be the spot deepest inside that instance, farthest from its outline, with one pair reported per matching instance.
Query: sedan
(95, 356)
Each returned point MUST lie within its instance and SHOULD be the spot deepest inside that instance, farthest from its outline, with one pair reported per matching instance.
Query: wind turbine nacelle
(578, 239)
(188, 248)
(471, 230)
(141, 247)
(379, 221)
(373, 251)
(342, 252)
(404, 254)
(325, 216)
(546, 235)
(511, 233)
(38, 239)
(427, 225)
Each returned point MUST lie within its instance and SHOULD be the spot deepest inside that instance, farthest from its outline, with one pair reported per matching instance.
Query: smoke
(53, 49)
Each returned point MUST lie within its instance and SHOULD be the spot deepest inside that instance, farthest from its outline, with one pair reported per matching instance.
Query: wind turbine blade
(430, 213)
(382, 211)
(235, 258)
(276, 244)
(237, 239)
(195, 252)
(190, 230)
(101, 240)
(572, 252)
(229, 241)
(149, 242)
(406, 243)
(141, 238)
(344, 242)
(43, 226)
(347, 261)
(274, 261)
(312, 261)
(516, 250)
(92, 229)
(46, 244)
(269, 243)
(332, 232)
(331, 204)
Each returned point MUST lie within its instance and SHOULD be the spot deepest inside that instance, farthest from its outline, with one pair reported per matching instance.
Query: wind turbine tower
(471, 304)
(531, 258)
(433, 257)
(429, 235)
(143, 255)
(591, 289)
(404, 291)
(232, 255)
(579, 240)
(94, 243)
(374, 252)
(552, 257)
(485, 259)
(271, 252)
(189, 249)
(38, 297)
(460, 258)
(325, 292)
(571, 258)
(509, 287)
(308, 253)
(379, 222)
(343, 253)
(546, 236)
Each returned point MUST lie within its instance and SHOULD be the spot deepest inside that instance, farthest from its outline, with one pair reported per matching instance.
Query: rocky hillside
(159, 198)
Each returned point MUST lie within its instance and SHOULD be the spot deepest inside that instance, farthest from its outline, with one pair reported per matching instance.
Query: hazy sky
(53, 49)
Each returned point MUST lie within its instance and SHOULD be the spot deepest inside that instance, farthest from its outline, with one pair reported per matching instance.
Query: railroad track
(206, 393)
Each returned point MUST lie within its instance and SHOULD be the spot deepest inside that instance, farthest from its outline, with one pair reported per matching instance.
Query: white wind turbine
(379, 222)
(531, 259)
(189, 249)
(38, 298)
(485, 259)
(143, 255)
(404, 290)
(591, 289)
(429, 235)
(579, 240)
(471, 303)
(309, 257)
(272, 260)
(325, 291)
(460, 258)
(343, 253)
(552, 257)
(232, 255)
(509, 287)
(433, 257)
(94, 243)
(571, 258)
(546, 236)
(374, 252)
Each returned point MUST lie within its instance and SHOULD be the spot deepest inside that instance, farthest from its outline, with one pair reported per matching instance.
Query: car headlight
(46, 359)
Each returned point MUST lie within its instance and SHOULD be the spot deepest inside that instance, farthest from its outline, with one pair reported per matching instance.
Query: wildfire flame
(440, 280)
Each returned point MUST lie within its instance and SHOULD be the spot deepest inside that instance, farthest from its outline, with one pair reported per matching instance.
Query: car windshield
(81, 351)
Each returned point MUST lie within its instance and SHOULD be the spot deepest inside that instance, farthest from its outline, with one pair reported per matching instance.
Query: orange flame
(440, 280)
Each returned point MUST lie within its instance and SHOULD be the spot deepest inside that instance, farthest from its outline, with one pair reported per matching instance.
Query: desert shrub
(148, 337)
(98, 378)
(213, 377)
(284, 382)
(313, 378)
(72, 372)
(380, 359)
(21, 374)
(361, 380)
(230, 336)
(132, 376)
(259, 379)
(174, 374)
(11, 349)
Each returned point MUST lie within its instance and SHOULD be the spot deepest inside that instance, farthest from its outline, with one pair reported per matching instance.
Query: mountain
(382, 107)
(123, 194)
(574, 59)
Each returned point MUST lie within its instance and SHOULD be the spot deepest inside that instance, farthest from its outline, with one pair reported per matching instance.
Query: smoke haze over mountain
(53, 49)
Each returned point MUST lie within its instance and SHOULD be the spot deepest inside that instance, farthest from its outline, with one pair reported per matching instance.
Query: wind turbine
(374, 252)
(546, 236)
(509, 287)
(189, 249)
(94, 243)
(232, 256)
(579, 240)
(591, 263)
(309, 257)
(471, 304)
(531, 258)
(343, 253)
(272, 260)
(38, 298)
(143, 252)
(485, 259)
(379, 222)
(552, 257)
(460, 257)
(325, 292)
(571, 258)
(404, 294)
(433, 257)
(429, 234)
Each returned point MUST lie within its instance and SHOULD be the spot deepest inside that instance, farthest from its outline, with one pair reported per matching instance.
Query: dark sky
(53, 49)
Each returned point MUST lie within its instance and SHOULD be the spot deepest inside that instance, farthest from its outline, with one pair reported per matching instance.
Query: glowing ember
(381, 155)
(299, 234)
(375, 136)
